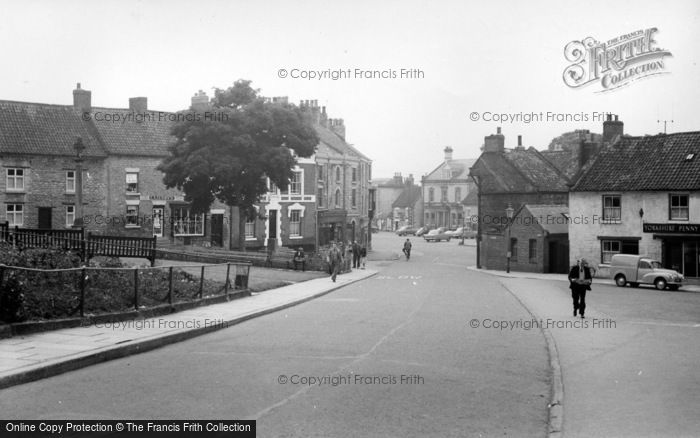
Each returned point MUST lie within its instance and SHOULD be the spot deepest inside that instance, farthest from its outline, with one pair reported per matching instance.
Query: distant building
(388, 191)
(444, 189)
(407, 209)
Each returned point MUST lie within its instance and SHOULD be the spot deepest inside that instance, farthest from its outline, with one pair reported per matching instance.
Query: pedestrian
(363, 256)
(407, 249)
(580, 280)
(335, 260)
(355, 255)
(299, 259)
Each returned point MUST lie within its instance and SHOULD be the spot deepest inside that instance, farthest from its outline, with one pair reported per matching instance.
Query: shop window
(186, 223)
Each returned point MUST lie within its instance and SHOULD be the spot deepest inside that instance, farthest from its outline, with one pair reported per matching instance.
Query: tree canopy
(225, 151)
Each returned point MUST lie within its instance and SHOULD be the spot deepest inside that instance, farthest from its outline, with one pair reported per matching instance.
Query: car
(469, 234)
(456, 233)
(406, 230)
(436, 236)
(421, 231)
(636, 270)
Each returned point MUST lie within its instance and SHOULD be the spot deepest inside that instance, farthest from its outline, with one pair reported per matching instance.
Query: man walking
(407, 249)
(355, 255)
(580, 280)
(335, 259)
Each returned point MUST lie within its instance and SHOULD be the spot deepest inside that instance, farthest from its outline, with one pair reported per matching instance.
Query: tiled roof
(518, 171)
(35, 128)
(562, 160)
(408, 197)
(472, 198)
(145, 135)
(550, 217)
(646, 163)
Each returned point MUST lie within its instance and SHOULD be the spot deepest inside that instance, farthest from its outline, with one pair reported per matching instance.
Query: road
(395, 356)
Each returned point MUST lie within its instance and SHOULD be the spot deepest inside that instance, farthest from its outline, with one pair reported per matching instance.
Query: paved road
(411, 321)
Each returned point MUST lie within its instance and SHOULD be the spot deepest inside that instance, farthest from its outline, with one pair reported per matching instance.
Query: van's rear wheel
(620, 281)
(660, 284)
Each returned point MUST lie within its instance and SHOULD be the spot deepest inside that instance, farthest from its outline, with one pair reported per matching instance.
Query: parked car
(406, 230)
(469, 234)
(436, 236)
(636, 270)
(421, 231)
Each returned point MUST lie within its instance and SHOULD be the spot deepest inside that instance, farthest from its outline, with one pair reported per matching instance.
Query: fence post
(136, 289)
(152, 252)
(82, 292)
(201, 283)
(170, 286)
(85, 246)
(228, 270)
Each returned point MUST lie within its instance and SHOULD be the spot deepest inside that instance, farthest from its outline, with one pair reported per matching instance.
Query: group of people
(337, 254)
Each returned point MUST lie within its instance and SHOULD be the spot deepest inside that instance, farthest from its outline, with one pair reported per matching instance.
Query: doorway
(45, 218)
(158, 221)
(217, 229)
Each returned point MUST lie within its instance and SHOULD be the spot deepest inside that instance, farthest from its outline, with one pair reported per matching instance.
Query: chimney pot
(520, 141)
(498, 130)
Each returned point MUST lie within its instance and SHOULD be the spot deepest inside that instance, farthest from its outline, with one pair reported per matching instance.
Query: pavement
(40, 355)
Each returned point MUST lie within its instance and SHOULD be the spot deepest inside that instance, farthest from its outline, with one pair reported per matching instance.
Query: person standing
(580, 280)
(363, 256)
(407, 249)
(355, 255)
(299, 259)
(335, 260)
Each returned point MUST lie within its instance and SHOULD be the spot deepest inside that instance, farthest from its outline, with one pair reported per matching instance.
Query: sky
(471, 61)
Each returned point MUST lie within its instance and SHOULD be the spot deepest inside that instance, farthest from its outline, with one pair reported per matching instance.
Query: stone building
(444, 189)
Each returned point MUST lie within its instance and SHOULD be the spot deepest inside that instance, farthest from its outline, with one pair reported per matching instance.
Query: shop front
(332, 226)
(680, 246)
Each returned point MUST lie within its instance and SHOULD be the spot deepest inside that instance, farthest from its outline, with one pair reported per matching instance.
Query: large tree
(227, 150)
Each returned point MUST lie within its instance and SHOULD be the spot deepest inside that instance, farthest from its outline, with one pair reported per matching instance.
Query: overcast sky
(497, 56)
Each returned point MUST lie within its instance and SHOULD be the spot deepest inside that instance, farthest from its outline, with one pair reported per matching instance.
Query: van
(636, 270)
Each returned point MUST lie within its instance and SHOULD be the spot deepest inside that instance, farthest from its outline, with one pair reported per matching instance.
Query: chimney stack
(495, 143)
(200, 101)
(448, 153)
(138, 105)
(409, 180)
(82, 99)
(612, 129)
(398, 179)
(337, 126)
(323, 117)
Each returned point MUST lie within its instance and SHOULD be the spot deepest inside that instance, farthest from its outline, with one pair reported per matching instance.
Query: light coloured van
(636, 270)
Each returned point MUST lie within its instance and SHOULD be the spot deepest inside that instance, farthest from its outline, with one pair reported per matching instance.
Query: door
(158, 221)
(272, 225)
(45, 217)
(217, 229)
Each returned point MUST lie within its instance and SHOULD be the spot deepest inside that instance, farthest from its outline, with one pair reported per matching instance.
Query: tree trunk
(241, 229)
(231, 228)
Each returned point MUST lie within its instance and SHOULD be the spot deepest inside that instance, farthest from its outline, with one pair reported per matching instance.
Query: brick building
(444, 189)
(641, 195)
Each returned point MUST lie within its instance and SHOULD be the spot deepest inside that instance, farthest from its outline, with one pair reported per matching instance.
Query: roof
(408, 197)
(552, 218)
(145, 135)
(472, 198)
(459, 169)
(564, 161)
(519, 170)
(36, 128)
(657, 162)
(336, 143)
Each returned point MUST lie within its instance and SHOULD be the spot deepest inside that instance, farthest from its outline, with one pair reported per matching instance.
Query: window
(443, 194)
(458, 194)
(295, 223)
(186, 223)
(250, 228)
(678, 210)
(14, 214)
(354, 174)
(337, 198)
(320, 171)
(70, 215)
(132, 182)
(337, 174)
(514, 249)
(610, 248)
(70, 181)
(612, 207)
(643, 264)
(320, 196)
(15, 179)
(273, 188)
(132, 215)
(532, 252)
(431, 195)
(295, 184)
(353, 197)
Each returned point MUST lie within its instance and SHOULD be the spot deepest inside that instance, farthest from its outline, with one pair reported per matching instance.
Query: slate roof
(550, 217)
(35, 128)
(146, 136)
(650, 163)
(336, 143)
(564, 161)
(519, 170)
(408, 197)
(460, 169)
(472, 198)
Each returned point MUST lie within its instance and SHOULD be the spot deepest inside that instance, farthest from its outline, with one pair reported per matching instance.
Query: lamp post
(79, 148)
(509, 215)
